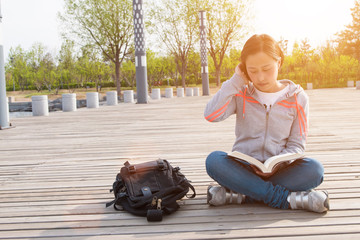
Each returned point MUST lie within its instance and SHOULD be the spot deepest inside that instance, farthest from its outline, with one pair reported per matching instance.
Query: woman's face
(263, 72)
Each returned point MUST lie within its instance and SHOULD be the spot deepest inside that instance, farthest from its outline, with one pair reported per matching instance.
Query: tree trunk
(117, 77)
(218, 73)
(183, 73)
(183, 76)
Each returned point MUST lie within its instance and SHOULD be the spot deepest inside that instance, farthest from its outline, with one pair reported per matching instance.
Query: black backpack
(149, 189)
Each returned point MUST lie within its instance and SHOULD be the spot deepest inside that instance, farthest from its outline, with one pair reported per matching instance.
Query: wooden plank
(55, 173)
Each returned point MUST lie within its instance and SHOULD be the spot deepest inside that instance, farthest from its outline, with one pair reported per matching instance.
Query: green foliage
(227, 23)
(175, 24)
(348, 40)
(324, 67)
(95, 63)
(104, 24)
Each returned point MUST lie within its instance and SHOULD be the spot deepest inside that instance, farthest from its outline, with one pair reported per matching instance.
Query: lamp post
(4, 111)
(203, 53)
(140, 52)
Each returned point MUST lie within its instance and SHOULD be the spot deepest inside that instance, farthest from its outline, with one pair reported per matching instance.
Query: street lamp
(203, 53)
(140, 52)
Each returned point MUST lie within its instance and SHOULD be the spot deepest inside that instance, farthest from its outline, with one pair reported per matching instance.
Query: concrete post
(111, 98)
(350, 83)
(203, 53)
(140, 52)
(92, 100)
(129, 96)
(169, 92)
(357, 84)
(180, 92)
(189, 92)
(4, 112)
(69, 102)
(40, 105)
(196, 91)
(156, 94)
(309, 86)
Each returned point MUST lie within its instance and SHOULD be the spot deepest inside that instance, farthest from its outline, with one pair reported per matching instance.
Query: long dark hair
(260, 43)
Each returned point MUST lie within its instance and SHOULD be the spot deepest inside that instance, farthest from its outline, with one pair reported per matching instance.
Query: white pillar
(196, 91)
(350, 83)
(4, 114)
(111, 98)
(129, 96)
(169, 92)
(309, 86)
(156, 94)
(357, 84)
(7, 105)
(189, 92)
(180, 92)
(92, 100)
(69, 102)
(40, 105)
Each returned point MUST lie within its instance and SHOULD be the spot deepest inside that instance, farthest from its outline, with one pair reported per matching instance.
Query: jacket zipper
(266, 129)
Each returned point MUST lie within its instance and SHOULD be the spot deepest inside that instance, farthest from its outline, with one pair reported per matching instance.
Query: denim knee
(316, 170)
(214, 161)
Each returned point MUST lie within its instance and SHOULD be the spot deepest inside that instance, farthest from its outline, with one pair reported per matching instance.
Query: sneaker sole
(208, 197)
(326, 202)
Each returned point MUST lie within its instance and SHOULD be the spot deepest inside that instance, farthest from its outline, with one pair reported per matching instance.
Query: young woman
(271, 119)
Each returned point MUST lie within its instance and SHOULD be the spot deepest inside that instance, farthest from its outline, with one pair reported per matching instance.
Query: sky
(295, 20)
(26, 22)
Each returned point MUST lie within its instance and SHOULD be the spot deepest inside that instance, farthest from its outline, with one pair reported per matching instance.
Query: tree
(349, 39)
(128, 73)
(66, 65)
(19, 66)
(283, 43)
(107, 24)
(226, 25)
(231, 60)
(176, 25)
(42, 67)
(194, 64)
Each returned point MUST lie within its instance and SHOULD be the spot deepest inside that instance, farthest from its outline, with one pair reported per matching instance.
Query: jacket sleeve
(223, 103)
(299, 130)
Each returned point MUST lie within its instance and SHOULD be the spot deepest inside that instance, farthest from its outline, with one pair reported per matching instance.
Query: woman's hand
(241, 73)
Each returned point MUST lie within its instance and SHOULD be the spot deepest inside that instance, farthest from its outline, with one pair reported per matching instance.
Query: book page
(271, 162)
(248, 159)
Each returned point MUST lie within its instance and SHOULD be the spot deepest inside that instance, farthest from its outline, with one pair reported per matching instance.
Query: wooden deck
(56, 172)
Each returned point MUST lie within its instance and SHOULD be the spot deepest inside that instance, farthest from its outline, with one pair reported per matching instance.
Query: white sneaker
(218, 195)
(315, 201)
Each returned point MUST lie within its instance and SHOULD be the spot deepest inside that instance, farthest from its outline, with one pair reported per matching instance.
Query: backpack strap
(193, 190)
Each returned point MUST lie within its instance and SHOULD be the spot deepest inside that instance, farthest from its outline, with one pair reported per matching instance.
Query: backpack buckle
(155, 215)
(161, 164)
(132, 169)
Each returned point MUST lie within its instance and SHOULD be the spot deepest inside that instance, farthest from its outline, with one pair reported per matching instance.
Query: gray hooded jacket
(261, 133)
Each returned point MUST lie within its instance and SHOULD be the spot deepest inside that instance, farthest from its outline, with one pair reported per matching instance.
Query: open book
(270, 163)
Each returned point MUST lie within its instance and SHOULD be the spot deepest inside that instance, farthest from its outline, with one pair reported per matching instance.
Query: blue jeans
(301, 175)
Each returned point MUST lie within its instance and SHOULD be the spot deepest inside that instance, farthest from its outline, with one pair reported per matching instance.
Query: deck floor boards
(56, 172)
